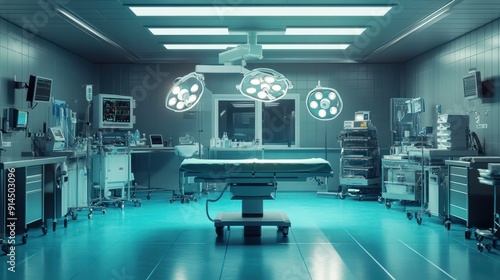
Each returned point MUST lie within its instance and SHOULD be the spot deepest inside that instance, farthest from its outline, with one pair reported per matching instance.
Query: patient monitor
(55, 140)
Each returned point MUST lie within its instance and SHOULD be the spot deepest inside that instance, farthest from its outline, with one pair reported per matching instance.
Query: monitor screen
(22, 119)
(57, 133)
(362, 116)
(156, 140)
(472, 85)
(39, 89)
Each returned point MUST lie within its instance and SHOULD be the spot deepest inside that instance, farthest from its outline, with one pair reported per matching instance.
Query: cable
(214, 200)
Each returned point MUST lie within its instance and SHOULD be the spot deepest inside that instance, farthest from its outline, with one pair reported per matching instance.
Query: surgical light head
(263, 84)
(186, 92)
(324, 103)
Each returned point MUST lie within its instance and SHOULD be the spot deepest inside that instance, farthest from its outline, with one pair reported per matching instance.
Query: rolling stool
(184, 152)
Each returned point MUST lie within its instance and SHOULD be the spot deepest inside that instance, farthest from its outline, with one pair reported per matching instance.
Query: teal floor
(329, 238)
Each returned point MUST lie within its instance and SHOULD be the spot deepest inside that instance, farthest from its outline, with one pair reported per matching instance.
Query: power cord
(214, 200)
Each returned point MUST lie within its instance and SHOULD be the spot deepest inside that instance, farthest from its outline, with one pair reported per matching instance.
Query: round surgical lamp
(263, 84)
(324, 103)
(185, 93)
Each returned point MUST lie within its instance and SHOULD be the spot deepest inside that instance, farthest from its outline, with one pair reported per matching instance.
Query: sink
(187, 151)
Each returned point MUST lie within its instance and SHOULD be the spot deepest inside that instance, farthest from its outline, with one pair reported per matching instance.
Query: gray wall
(437, 76)
(23, 54)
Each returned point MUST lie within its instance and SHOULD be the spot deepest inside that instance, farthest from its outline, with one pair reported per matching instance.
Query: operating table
(252, 181)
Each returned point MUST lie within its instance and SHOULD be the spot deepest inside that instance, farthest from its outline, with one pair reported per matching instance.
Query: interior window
(238, 118)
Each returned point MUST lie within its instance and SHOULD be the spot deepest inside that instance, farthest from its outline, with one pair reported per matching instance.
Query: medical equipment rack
(491, 178)
(359, 161)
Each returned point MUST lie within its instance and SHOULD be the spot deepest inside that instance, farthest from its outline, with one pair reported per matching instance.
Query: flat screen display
(472, 85)
(39, 89)
(22, 119)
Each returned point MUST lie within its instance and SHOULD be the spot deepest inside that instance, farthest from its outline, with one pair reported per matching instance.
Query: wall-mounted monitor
(472, 85)
(18, 119)
(39, 89)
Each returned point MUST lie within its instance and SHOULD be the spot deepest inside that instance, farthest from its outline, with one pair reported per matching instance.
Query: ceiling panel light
(199, 46)
(324, 31)
(305, 46)
(185, 93)
(260, 11)
(263, 84)
(324, 103)
(264, 46)
(190, 31)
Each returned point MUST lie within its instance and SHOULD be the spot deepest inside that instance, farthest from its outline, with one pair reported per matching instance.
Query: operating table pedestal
(252, 217)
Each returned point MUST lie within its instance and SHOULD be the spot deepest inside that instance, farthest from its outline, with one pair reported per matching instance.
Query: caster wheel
(480, 247)
(74, 216)
(25, 239)
(488, 247)
(447, 225)
(44, 229)
(148, 196)
(409, 216)
(419, 220)
(54, 226)
(182, 201)
(360, 198)
(122, 206)
(341, 195)
(285, 231)
(467, 234)
(171, 201)
(89, 216)
(195, 199)
(219, 231)
(380, 200)
(65, 223)
(388, 205)
(103, 210)
(5, 248)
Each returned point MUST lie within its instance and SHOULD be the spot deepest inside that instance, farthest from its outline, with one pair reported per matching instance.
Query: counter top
(274, 148)
(145, 149)
(24, 161)
(68, 154)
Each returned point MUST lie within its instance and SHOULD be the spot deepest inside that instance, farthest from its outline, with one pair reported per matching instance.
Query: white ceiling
(393, 38)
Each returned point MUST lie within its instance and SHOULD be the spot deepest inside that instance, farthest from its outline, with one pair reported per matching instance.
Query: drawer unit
(469, 200)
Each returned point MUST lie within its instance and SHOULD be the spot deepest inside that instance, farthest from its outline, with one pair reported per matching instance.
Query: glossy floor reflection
(329, 238)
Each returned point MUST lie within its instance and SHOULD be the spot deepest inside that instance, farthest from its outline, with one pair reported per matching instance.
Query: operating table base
(252, 225)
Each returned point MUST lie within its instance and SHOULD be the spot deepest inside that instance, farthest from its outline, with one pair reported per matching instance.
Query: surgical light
(267, 83)
(324, 103)
(185, 93)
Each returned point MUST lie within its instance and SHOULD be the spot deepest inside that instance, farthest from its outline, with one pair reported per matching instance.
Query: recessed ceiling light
(190, 31)
(260, 11)
(264, 46)
(305, 46)
(199, 46)
(323, 31)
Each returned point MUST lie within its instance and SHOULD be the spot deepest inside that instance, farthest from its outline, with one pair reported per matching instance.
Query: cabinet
(401, 181)
(470, 200)
(359, 160)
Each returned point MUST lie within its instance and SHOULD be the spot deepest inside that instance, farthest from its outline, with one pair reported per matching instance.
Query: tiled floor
(329, 239)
